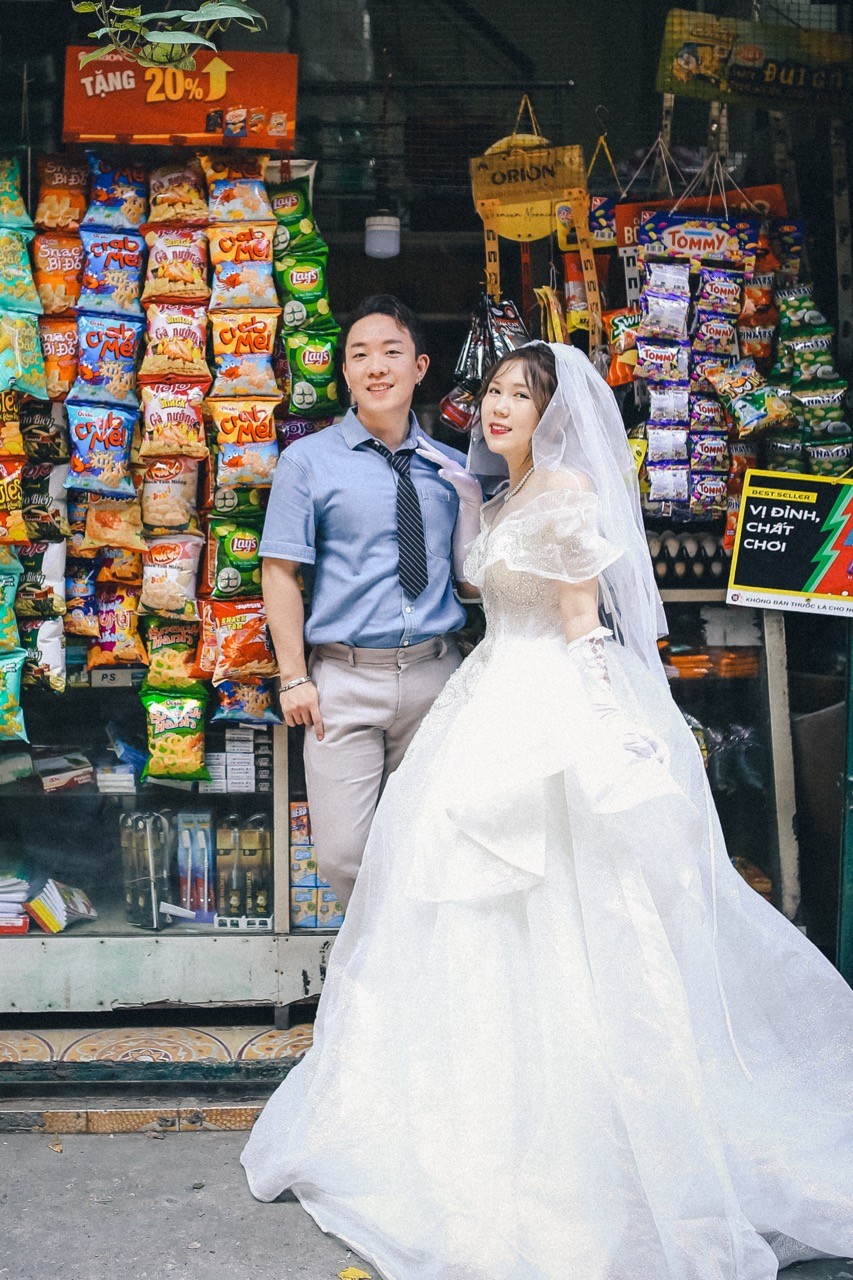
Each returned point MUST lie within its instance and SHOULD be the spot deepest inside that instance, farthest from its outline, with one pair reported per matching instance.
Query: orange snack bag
(63, 185)
(205, 659)
(243, 644)
(177, 265)
(243, 343)
(174, 426)
(58, 271)
(177, 337)
(11, 439)
(12, 527)
(113, 522)
(59, 347)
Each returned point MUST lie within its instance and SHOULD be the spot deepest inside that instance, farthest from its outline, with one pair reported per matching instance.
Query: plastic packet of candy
(304, 290)
(11, 439)
(13, 530)
(115, 523)
(660, 361)
(668, 277)
(291, 205)
(232, 566)
(169, 568)
(177, 265)
(173, 421)
(117, 199)
(686, 236)
(720, 291)
(81, 617)
(759, 305)
(108, 349)
(44, 428)
(702, 363)
(831, 457)
(664, 315)
(242, 640)
(243, 343)
(314, 387)
(666, 444)
(706, 414)
(715, 333)
(44, 501)
(21, 359)
(41, 590)
(816, 407)
(709, 453)
(797, 309)
(669, 405)
(787, 241)
(13, 212)
(668, 481)
(756, 342)
(43, 642)
(62, 193)
(112, 272)
(9, 576)
(59, 346)
(783, 451)
(812, 356)
(101, 436)
(169, 496)
(177, 338)
(249, 701)
(119, 564)
(246, 446)
(17, 287)
(621, 328)
(175, 735)
(708, 492)
(242, 267)
(11, 715)
(172, 648)
(58, 271)
(119, 643)
(177, 194)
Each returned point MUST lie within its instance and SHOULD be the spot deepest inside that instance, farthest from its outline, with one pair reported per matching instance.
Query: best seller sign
(794, 544)
(239, 99)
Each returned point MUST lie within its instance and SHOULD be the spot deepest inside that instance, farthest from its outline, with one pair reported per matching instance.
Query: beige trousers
(372, 702)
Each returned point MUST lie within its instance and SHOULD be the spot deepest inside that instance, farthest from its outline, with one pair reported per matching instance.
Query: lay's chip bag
(313, 381)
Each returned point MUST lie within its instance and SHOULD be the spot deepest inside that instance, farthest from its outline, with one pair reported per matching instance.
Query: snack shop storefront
(179, 249)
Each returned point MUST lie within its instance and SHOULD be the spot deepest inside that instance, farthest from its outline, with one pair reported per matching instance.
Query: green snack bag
(797, 308)
(811, 353)
(232, 563)
(175, 735)
(313, 384)
(291, 204)
(9, 636)
(784, 451)
(830, 457)
(13, 212)
(21, 360)
(815, 407)
(11, 715)
(302, 290)
(240, 504)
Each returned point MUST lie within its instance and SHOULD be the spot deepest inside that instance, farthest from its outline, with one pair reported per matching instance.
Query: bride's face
(509, 414)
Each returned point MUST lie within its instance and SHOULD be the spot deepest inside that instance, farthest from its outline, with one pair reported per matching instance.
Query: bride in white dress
(559, 1035)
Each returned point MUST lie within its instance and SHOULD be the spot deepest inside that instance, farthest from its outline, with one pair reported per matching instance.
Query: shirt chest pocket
(439, 516)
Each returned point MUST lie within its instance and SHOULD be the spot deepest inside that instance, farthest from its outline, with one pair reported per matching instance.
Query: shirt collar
(355, 434)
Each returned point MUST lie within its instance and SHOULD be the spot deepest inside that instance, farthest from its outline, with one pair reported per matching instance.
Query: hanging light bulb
(382, 235)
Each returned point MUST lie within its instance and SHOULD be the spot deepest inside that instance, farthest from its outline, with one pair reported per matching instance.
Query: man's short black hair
(385, 304)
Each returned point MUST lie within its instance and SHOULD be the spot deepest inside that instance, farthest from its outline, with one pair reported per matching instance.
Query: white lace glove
(589, 651)
(470, 501)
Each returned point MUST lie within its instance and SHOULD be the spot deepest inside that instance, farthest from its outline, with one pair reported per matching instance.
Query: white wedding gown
(560, 1036)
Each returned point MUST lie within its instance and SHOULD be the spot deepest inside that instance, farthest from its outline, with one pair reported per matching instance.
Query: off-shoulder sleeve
(555, 536)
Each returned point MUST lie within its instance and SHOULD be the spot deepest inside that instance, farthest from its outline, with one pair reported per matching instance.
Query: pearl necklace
(522, 482)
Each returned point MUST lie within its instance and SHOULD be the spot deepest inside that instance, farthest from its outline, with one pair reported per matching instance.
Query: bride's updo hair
(540, 373)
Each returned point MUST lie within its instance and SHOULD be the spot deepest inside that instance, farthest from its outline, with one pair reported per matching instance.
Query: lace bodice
(520, 556)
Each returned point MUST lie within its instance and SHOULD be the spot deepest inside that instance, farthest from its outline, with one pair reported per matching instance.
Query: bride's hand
(467, 486)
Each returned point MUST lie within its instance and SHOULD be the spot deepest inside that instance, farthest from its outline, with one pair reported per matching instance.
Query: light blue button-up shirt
(333, 506)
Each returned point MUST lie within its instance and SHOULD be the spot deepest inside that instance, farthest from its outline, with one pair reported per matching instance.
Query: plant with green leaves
(168, 38)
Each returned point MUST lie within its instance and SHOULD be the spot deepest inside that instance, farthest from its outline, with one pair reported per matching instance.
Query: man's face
(381, 366)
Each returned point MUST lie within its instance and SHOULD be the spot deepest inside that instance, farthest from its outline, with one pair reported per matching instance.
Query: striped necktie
(410, 524)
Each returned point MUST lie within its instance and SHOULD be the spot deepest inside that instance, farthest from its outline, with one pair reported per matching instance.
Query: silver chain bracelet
(293, 683)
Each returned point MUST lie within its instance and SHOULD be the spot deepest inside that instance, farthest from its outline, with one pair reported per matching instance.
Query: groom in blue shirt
(371, 521)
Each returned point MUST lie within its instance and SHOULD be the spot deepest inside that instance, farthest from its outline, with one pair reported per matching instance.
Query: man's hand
(302, 706)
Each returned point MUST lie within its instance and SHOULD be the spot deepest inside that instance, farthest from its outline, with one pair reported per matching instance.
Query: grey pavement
(143, 1208)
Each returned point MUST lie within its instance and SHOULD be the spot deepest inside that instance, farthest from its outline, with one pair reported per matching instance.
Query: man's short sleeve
(290, 521)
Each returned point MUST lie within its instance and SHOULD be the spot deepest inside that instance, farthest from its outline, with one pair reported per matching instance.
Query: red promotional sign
(769, 200)
(231, 99)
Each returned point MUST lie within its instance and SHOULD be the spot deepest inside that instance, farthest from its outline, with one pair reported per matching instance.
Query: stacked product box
(313, 902)
(238, 759)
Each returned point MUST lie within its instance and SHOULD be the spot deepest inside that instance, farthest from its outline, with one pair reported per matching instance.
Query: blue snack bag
(101, 438)
(112, 272)
(106, 360)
